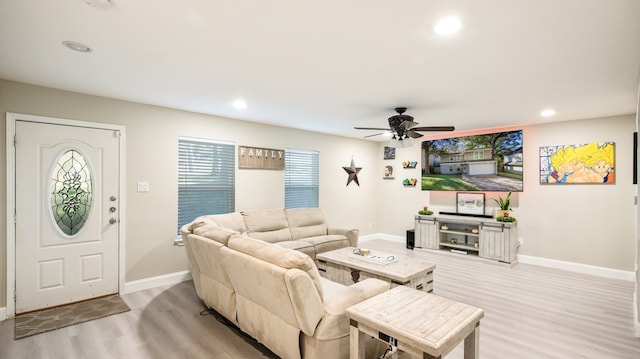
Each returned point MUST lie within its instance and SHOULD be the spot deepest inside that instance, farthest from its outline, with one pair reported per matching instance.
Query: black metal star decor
(353, 173)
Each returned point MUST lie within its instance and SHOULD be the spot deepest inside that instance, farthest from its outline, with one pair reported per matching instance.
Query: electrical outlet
(370, 225)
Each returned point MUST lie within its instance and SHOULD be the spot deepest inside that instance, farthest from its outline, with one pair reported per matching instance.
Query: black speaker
(411, 238)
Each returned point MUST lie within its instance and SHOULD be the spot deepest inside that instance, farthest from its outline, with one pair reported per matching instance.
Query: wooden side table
(419, 323)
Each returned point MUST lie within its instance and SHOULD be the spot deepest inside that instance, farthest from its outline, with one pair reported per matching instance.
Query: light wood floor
(530, 312)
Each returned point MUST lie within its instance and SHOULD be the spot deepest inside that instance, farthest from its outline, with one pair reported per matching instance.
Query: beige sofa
(302, 229)
(272, 293)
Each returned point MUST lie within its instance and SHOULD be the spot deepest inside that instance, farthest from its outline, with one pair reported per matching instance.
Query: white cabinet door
(492, 242)
(426, 233)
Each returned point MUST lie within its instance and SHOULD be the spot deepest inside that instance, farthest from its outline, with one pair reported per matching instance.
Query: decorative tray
(376, 257)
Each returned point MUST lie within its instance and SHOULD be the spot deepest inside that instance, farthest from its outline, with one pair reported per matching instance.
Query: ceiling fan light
(394, 142)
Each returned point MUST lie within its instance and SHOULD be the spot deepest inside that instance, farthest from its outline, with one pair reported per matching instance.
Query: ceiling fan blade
(377, 134)
(408, 124)
(434, 128)
(413, 134)
(372, 128)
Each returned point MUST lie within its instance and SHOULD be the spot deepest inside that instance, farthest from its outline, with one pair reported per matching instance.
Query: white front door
(67, 209)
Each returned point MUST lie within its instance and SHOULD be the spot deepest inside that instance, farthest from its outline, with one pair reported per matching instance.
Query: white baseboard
(153, 282)
(636, 323)
(384, 236)
(3, 313)
(578, 267)
(539, 261)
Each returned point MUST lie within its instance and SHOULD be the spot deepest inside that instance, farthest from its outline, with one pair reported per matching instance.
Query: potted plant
(502, 213)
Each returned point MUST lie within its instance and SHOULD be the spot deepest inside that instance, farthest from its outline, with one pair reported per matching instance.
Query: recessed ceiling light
(100, 4)
(76, 46)
(239, 104)
(548, 112)
(447, 25)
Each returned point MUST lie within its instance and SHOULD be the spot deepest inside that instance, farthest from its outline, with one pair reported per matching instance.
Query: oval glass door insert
(71, 193)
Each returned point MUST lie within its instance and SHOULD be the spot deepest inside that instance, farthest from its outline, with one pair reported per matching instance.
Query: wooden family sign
(260, 158)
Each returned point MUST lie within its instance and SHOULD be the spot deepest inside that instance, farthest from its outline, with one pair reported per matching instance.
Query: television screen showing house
(488, 162)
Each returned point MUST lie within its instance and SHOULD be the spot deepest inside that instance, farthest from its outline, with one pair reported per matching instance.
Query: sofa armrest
(334, 323)
(351, 234)
(370, 288)
(355, 294)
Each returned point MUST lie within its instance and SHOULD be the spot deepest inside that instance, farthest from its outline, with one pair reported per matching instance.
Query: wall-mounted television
(489, 162)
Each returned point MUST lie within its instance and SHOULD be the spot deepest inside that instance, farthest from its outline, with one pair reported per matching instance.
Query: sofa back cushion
(213, 231)
(306, 222)
(269, 225)
(281, 257)
(233, 221)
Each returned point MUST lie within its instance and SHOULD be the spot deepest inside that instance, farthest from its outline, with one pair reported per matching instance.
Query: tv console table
(484, 237)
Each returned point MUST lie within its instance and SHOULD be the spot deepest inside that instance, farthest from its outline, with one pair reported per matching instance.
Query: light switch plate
(143, 186)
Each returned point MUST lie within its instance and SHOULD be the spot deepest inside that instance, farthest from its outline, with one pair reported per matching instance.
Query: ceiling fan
(404, 127)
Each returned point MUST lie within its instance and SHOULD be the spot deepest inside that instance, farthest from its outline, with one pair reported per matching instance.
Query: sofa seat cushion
(306, 222)
(279, 256)
(302, 246)
(327, 243)
(269, 225)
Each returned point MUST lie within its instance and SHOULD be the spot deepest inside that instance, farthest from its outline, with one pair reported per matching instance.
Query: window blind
(301, 179)
(206, 178)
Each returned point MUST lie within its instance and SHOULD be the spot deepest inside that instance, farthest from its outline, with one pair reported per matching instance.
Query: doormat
(46, 320)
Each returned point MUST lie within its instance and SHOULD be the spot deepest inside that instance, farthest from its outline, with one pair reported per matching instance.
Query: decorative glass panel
(71, 192)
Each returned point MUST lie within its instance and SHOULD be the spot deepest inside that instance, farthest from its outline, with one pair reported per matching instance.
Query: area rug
(33, 323)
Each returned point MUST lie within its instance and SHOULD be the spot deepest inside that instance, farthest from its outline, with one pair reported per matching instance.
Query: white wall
(587, 224)
(151, 155)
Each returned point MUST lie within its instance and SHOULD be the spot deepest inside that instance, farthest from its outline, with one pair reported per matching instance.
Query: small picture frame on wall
(389, 153)
(470, 203)
(388, 172)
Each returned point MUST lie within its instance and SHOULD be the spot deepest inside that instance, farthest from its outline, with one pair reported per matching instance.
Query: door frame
(11, 199)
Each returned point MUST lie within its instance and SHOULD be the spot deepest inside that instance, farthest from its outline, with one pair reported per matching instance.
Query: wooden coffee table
(344, 267)
(422, 324)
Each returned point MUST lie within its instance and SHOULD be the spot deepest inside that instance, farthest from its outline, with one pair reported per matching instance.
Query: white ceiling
(329, 65)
